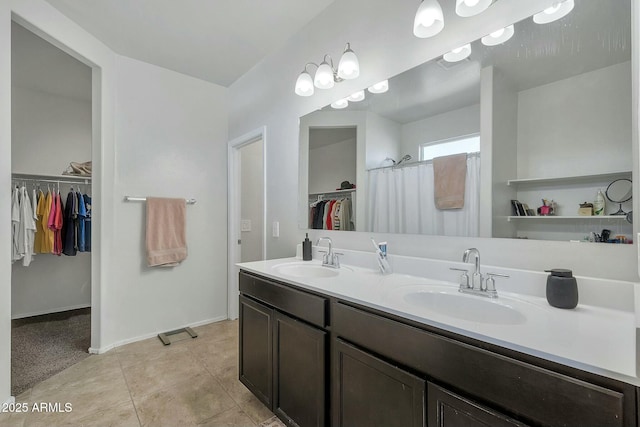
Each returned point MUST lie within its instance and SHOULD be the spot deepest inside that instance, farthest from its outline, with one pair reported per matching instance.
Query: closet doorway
(51, 289)
(247, 207)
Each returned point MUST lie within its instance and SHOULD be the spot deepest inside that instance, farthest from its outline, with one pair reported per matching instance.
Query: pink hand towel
(450, 173)
(166, 239)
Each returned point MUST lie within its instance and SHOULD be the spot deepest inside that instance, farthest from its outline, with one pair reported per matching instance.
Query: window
(465, 144)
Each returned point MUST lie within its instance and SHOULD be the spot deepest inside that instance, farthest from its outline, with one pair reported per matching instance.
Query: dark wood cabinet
(283, 358)
(256, 349)
(369, 392)
(447, 409)
(299, 372)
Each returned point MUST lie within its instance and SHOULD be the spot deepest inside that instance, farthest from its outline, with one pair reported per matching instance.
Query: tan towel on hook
(450, 173)
(166, 239)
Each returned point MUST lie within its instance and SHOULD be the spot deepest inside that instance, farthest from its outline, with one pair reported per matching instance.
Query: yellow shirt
(47, 234)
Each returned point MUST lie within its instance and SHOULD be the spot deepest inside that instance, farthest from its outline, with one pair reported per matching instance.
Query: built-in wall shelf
(565, 217)
(569, 179)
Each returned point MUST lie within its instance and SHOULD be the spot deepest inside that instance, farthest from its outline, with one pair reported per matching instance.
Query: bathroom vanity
(344, 348)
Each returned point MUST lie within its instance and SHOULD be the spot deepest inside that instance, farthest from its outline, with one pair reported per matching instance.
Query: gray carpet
(42, 346)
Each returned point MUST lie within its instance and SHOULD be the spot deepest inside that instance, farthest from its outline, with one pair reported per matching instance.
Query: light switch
(245, 225)
(275, 229)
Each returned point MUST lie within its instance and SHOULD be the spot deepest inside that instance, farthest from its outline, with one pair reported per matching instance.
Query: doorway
(52, 126)
(246, 207)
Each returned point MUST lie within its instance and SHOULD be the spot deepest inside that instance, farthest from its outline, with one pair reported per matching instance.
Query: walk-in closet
(51, 123)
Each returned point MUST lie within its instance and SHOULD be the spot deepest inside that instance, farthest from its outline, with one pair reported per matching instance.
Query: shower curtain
(401, 200)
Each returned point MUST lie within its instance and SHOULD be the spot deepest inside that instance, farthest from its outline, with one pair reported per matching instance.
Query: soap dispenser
(562, 288)
(306, 248)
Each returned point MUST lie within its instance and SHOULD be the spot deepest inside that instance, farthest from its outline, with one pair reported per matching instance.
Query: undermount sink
(301, 269)
(463, 306)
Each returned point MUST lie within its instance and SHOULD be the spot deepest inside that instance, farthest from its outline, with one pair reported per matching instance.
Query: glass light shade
(324, 76)
(559, 10)
(380, 87)
(340, 104)
(499, 36)
(356, 97)
(429, 19)
(304, 84)
(466, 8)
(348, 68)
(458, 54)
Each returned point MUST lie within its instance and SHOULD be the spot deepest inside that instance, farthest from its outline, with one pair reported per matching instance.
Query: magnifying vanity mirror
(619, 191)
(544, 117)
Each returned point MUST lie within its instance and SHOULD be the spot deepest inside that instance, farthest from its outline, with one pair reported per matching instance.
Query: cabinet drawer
(302, 305)
(534, 394)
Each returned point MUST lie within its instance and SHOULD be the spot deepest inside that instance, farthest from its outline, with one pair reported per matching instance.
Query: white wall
(563, 126)
(329, 165)
(460, 122)
(389, 50)
(382, 140)
(251, 203)
(48, 132)
(171, 139)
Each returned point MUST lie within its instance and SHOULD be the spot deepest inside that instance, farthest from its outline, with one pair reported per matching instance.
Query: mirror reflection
(447, 147)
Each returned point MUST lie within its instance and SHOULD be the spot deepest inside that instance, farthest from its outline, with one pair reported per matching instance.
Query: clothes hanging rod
(54, 181)
(144, 199)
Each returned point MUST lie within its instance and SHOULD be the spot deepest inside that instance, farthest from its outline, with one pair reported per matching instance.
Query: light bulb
(499, 36)
(429, 19)
(324, 76)
(553, 13)
(380, 87)
(304, 84)
(340, 104)
(348, 68)
(458, 54)
(356, 97)
(466, 8)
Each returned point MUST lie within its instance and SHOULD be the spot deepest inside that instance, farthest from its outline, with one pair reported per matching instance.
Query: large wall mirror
(543, 119)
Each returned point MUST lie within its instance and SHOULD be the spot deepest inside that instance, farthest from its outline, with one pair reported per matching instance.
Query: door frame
(233, 210)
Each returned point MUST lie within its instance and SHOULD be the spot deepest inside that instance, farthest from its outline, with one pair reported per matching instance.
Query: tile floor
(192, 382)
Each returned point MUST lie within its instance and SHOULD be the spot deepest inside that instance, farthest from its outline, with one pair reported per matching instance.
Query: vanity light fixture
(458, 54)
(326, 74)
(340, 104)
(499, 36)
(380, 87)
(356, 97)
(429, 19)
(558, 10)
(466, 8)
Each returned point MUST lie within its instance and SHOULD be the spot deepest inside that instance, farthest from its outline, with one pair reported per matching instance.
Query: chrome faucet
(476, 278)
(330, 258)
(477, 285)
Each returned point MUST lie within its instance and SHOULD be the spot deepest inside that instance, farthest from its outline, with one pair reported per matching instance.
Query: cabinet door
(450, 410)
(299, 371)
(370, 392)
(256, 349)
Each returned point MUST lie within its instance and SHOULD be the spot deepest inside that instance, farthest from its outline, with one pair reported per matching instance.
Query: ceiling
(217, 41)
(38, 65)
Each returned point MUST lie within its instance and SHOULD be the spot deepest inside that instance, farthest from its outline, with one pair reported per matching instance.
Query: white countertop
(598, 339)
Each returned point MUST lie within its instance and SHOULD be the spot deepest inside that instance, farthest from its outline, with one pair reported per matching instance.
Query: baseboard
(9, 401)
(104, 349)
(54, 310)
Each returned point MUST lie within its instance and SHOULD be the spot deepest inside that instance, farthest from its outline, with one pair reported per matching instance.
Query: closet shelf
(60, 178)
(572, 217)
(569, 179)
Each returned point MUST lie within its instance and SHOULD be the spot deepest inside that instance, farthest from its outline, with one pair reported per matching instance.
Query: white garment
(401, 200)
(15, 224)
(27, 227)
